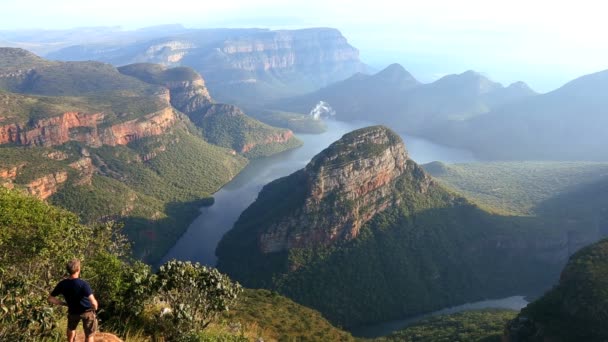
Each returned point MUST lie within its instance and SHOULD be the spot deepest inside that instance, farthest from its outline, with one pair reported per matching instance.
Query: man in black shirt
(80, 302)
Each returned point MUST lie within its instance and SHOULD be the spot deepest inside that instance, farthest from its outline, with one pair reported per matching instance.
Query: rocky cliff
(242, 66)
(85, 127)
(363, 234)
(344, 187)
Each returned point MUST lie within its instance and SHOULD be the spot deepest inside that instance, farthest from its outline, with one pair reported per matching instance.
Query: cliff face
(44, 187)
(242, 66)
(345, 186)
(83, 127)
(288, 49)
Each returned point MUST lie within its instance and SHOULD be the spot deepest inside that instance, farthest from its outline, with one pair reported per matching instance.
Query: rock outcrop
(345, 186)
(45, 186)
(85, 127)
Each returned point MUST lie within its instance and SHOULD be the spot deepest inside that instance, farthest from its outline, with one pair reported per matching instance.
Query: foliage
(37, 239)
(195, 294)
(483, 325)
(266, 314)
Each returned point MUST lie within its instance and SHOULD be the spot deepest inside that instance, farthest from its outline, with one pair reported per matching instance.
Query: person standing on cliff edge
(80, 301)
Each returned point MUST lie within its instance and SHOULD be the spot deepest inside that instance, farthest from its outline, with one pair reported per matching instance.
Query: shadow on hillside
(153, 238)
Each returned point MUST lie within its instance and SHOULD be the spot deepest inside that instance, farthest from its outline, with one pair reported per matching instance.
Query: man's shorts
(89, 322)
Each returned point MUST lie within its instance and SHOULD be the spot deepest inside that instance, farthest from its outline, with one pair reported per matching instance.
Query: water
(385, 328)
(203, 235)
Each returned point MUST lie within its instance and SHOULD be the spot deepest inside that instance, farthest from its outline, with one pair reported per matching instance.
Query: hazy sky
(544, 43)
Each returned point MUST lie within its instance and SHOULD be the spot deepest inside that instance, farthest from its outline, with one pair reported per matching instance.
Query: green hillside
(574, 310)
(430, 250)
(470, 326)
(128, 291)
(222, 124)
(516, 188)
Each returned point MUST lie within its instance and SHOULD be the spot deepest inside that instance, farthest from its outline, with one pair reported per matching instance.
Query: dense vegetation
(574, 310)
(442, 249)
(516, 188)
(157, 199)
(229, 127)
(130, 295)
(470, 326)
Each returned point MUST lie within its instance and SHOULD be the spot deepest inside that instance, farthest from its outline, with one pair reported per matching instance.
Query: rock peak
(361, 143)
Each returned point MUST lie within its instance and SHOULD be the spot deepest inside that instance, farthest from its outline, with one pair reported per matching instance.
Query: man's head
(73, 266)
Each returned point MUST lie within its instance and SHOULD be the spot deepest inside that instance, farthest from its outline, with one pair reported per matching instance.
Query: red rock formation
(73, 126)
(44, 187)
(150, 125)
(346, 185)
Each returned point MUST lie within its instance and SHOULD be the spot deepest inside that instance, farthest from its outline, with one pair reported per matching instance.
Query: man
(80, 302)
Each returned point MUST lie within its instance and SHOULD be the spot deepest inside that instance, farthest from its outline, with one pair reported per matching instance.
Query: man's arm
(56, 301)
(93, 302)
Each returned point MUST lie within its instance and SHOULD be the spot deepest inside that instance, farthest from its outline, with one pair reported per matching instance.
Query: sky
(544, 43)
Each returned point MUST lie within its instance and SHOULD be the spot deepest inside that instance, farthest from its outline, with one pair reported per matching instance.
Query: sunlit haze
(545, 43)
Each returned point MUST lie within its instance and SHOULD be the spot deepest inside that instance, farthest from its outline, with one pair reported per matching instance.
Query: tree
(194, 294)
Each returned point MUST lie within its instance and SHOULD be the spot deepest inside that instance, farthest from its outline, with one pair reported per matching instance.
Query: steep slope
(256, 64)
(405, 104)
(565, 124)
(363, 234)
(574, 310)
(222, 124)
(111, 147)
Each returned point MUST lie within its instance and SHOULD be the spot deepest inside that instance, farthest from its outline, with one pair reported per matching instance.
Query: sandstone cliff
(84, 127)
(344, 187)
(242, 66)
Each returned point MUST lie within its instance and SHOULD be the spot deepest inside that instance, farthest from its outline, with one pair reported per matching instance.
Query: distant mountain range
(472, 112)
(241, 66)
(565, 124)
(394, 97)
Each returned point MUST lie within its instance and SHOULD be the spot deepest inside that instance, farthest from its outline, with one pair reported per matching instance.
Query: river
(205, 232)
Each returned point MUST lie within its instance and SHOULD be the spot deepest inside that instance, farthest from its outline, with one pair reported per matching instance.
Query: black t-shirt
(76, 293)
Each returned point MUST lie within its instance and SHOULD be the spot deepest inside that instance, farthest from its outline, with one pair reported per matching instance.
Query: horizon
(543, 44)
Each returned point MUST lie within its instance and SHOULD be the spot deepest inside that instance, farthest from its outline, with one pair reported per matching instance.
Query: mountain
(564, 124)
(241, 66)
(403, 103)
(575, 309)
(363, 234)
(110, 146)
(222, 124)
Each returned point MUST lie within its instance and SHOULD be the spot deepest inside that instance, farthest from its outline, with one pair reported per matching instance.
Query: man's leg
(72, 324)
(71, 335)
(89, 323)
